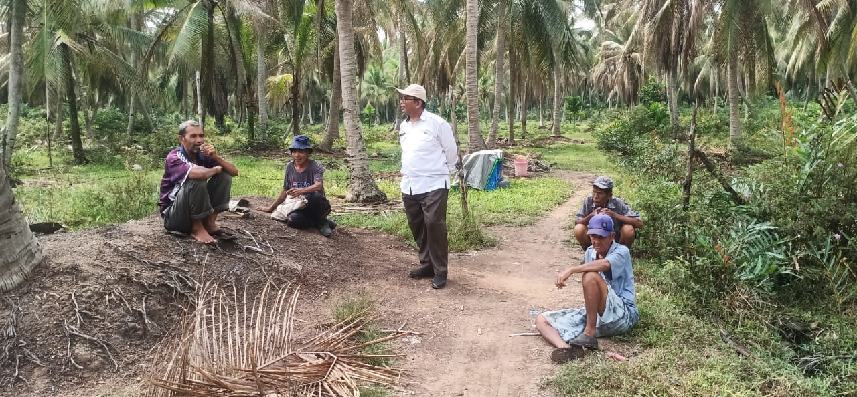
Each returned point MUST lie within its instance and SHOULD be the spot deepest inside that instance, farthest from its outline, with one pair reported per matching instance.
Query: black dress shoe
(438, 282)
(426, 271)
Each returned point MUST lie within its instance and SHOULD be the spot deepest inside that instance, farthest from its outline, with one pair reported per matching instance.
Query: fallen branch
(715, 172)
(733, 344)
(526, 334)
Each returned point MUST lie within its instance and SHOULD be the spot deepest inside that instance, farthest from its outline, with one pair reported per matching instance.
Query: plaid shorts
(617, 319)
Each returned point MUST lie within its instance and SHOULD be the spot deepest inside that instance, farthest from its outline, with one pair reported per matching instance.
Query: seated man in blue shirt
(610, 304)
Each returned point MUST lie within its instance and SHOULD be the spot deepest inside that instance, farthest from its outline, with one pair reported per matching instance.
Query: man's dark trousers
(426, 214)
(196, 200)
(314, 214)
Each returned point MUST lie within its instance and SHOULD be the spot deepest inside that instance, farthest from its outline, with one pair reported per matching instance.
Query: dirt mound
(93, 311)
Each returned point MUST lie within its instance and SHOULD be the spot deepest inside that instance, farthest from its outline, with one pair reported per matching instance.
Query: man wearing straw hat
(429, 155)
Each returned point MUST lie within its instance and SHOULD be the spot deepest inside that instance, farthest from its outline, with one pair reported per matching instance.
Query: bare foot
(202, 236)
(210, 223)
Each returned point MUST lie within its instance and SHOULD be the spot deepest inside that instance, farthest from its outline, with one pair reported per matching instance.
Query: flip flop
(563, 355)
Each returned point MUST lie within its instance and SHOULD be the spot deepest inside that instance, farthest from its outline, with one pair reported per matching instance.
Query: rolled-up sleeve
(619, 259)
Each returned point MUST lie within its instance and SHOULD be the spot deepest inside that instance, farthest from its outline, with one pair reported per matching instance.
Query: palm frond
(239, 345)
(190, 35)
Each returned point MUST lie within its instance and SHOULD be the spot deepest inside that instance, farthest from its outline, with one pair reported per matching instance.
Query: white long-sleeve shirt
(429, 153)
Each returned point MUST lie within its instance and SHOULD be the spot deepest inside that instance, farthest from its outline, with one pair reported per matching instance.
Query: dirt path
(465, 348)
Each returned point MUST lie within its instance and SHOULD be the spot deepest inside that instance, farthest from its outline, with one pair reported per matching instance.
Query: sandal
(563, 355)
(585, 341)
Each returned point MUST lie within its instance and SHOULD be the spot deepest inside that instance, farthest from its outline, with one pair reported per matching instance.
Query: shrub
(653, 92)
(110, 124)
(629, 135)
(573, 107)
(367, 115)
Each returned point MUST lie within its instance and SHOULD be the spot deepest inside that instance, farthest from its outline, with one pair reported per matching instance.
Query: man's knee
(579, 230)
(541, 320)
(627, 232)
(590, 279)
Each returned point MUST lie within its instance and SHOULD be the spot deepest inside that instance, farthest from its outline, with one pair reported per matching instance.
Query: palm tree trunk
(332, 132)
(261, 84)
(361, 185)
(512, 99)
(541, 112)
(498, 75)
(206, 95)
(200, 106)
(688, 178)
(295, 101)
(21, 251)
(453, 119)
(130, 126)
(404, 71)
(89, 115)
(672, 87)
(734, 111)
(471, 78)
(557, 101)
(524, 108)
(71, 98)
(17, 14)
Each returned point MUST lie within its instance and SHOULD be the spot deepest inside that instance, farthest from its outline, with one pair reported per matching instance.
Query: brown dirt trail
(465, 348)
(130, 287)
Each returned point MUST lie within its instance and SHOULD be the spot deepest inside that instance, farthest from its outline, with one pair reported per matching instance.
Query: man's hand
(266, 209)
(294, 192)
(216, 170)
(208, 150)
(609, 212)
(561, 277)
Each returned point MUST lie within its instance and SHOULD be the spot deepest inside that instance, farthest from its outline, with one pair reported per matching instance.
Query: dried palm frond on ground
(238, 345)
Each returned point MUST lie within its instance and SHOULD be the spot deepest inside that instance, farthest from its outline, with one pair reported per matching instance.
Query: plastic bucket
(521, 166)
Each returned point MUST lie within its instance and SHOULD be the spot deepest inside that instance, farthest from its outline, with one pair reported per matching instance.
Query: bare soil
(113, 293)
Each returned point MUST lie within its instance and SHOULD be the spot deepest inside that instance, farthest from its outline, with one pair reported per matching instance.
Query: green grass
(524, 202)
(362, 304)
(680, 355)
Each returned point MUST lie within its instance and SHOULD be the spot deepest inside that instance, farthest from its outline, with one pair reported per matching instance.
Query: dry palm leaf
(235, 345)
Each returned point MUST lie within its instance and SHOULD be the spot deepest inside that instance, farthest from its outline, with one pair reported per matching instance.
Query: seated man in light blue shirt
(610, 304)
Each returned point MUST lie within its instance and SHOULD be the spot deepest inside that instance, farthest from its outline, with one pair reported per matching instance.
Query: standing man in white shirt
(429, 155)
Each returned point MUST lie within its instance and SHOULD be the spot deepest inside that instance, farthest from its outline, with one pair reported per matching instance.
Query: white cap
(414, 90)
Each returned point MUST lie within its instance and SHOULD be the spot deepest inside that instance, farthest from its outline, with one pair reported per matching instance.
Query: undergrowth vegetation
(773, 275)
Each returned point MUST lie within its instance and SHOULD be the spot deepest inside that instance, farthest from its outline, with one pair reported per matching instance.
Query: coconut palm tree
(471, 77)
(499, 71)
(361, 185)
(20, 252)
(818, 42)
(332, 130)
(741, 32)
(17, 15)
(669, 29)
(205, 47)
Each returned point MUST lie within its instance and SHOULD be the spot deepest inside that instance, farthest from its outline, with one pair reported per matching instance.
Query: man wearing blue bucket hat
(305, 177)
(610, 303)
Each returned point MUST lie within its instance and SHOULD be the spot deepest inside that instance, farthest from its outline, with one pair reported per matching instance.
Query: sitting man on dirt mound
(602, 201)
(196, 185)
(610, 303)
(305, 177)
